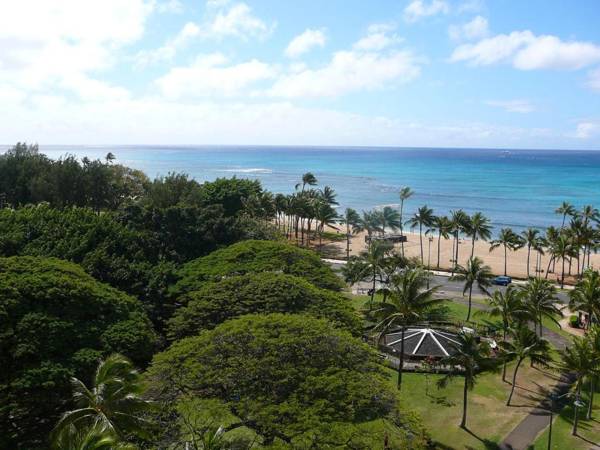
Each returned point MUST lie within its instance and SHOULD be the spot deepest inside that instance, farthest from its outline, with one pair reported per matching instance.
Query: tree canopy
(257, 256)
(56, 321)
(282, 376)
(265, 292)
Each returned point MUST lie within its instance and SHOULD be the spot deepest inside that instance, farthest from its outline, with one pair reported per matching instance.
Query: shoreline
(516, 260)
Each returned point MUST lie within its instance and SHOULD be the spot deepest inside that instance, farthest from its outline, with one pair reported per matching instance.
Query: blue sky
(449, 73)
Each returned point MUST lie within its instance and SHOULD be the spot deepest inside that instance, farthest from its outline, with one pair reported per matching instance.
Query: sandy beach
(517, 260)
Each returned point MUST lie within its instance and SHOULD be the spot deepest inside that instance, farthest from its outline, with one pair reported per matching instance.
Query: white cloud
(377, 38)
(238, 21)
(304, 42)
(525, 51)
(349, 71)
(159, 121)
(593, 81)
(470, 6)
(210, 76)
(587, 129)
(170, 6)
(516, 106)
(419, 9)
(475, 29)
(167, 51)
(65, 42)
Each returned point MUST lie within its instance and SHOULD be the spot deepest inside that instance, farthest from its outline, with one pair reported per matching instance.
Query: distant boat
(505, 154)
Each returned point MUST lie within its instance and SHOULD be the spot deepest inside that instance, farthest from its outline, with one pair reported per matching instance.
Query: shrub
(574, 321)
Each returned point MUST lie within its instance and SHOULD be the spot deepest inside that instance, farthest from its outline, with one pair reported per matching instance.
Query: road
(453, 288)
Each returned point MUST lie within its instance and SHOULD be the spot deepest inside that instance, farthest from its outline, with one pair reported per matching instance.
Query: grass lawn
(488, 420)
(588, 431)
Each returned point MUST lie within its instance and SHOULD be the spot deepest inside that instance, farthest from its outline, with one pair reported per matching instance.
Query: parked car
(502, 281)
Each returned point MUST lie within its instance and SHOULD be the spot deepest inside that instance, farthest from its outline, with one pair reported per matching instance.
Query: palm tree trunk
(347, 241)
(514, 382)
(401, 228)
(473, 246)
(470, 295)
(373, 289)
(463, 422)
(562, 275)
(505, 258)
(505, 327)
(591, 402)
(576, 409)
(548, 268)
(528, 255)
(439, 243)
(401, 361)
(457, 244)
(421, 240)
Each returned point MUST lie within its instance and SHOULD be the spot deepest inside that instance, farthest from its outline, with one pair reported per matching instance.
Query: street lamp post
(553, 398)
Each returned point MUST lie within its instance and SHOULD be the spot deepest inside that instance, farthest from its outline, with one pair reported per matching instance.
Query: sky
(426, 73)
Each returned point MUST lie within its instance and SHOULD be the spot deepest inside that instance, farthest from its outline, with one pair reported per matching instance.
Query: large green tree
(257, 256)
(264, 293)
(282, 376)
(56, 322)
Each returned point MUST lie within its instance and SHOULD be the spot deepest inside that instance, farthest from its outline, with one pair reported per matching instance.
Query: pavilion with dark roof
(421, 342)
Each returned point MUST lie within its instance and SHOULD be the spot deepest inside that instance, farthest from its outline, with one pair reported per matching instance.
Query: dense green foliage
(265, 292)
(136, 251)
(27, 176)
(257, 256)
(286, 377)
(56, 321)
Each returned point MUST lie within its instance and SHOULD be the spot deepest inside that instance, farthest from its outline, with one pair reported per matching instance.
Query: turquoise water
(518, 188)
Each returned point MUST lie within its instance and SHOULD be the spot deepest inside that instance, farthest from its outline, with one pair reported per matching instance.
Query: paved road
(452, 287)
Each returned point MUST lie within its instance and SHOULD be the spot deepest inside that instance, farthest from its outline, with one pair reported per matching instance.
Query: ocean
(517, 188)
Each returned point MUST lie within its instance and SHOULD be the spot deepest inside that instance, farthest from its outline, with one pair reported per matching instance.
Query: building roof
(423, 342)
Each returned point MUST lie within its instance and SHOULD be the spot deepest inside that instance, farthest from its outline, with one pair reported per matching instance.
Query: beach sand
(516, 266)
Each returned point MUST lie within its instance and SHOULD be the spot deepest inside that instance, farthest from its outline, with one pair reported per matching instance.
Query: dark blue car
(502, 281)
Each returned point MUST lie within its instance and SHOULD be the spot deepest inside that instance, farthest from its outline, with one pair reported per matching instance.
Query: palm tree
(307, 179)
(368, 265)
(479, 228)
(562, 248)
(565, 209)
(507, 305)
(390, 218)
(475, 273)
(443, 226)
(589, 214)
(525, 343)
(531, 239)
(471, 358)
(113, 403)
(460, 221)
(422, 218)
(96, 437)
(578, 358)
(351, 219)
(593, 337)
(586, 296)
(369, 222)
(539, 297)
(409, 300)
(325, 215)
(507, 239)
(405, 194)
